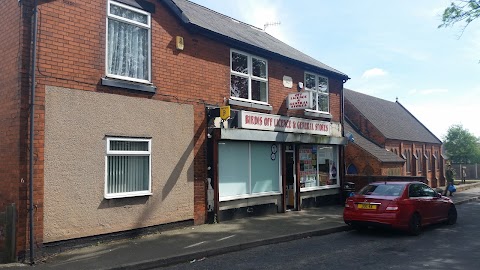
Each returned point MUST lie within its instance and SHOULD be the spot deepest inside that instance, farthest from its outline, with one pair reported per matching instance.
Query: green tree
(460, 11)
(461, 145)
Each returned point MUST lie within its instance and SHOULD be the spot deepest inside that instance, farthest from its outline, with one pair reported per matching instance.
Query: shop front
(265, 163)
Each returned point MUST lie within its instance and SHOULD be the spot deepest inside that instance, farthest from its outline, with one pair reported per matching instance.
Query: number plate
(367, 206)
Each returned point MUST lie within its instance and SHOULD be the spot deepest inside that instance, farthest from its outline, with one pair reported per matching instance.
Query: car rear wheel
(415, 224)
(359, 227)
(452, 215)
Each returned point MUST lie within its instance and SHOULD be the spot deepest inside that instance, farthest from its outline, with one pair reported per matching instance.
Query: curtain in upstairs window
(127, 50)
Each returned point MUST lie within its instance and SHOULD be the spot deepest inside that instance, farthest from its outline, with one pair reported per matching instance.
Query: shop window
(318, 166)
(318, 86)
(128, 43)
(248, 77)
(248, 169)
(127, 167)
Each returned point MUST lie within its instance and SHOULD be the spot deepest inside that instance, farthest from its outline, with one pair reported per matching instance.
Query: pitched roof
(230, 29)
(390, 118)
(383, 155)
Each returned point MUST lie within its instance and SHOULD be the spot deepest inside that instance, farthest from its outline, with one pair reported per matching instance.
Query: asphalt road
(438, 247)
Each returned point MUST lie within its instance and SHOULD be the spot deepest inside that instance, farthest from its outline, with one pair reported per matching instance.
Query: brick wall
(365, 163)
(71, 54)
(433, 172)
(14, 100)
(361, 181)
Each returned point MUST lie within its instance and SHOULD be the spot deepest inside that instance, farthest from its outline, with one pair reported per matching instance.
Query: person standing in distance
(449, 175)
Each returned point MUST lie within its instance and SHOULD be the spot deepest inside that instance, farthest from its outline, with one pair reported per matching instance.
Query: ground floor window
(127, 167)
(318, 166)
(248, 169)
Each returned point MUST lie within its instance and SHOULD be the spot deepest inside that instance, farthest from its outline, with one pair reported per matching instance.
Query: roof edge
(368, 152)
(346, 98)
(177, 11)
(398, 102)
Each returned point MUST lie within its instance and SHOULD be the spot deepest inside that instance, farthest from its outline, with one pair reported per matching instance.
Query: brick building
(389, 141)
(129, 97)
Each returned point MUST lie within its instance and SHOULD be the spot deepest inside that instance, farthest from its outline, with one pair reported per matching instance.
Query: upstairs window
(318, 86)
(128, 43)
(248, 77)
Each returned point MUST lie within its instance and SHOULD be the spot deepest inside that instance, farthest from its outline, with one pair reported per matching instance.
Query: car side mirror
(439, 195)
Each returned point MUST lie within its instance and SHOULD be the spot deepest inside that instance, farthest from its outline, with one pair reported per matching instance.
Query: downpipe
(32, 129)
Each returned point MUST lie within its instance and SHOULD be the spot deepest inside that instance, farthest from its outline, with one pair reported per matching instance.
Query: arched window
(428, 160)
(352, 169)
(409, 161)
(406, 153)
(419, 160)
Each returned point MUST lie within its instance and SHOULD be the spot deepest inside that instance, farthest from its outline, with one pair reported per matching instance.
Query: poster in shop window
(308, 168)
(333, 173)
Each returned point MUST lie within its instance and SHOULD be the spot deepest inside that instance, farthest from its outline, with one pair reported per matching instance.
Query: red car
(400, 205)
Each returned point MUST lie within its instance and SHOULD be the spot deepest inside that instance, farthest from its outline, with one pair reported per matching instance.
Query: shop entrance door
(291, 186)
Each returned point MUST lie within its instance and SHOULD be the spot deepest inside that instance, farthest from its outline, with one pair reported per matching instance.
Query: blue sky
(389, 49)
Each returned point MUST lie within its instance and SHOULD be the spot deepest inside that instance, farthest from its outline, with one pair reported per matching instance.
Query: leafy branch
(460, 11)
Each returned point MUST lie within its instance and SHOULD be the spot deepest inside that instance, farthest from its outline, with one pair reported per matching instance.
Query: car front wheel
(452, 215)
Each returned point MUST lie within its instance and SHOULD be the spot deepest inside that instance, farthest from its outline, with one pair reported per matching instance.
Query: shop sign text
(299, 101)
(271, 122)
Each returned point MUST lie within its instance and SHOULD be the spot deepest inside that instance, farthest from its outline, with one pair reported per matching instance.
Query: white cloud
(374, 72)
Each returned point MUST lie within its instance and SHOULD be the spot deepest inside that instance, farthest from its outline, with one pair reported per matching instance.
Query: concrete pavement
(197, 242)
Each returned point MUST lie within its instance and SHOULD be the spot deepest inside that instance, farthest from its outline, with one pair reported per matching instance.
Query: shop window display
(318, 166)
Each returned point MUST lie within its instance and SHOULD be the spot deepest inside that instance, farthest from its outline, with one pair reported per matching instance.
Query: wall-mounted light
(300, 85)
(179, 44)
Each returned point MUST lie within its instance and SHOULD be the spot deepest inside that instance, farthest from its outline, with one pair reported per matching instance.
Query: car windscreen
(383, 190)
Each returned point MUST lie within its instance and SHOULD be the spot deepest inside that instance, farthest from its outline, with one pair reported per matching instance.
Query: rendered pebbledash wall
(76, 123)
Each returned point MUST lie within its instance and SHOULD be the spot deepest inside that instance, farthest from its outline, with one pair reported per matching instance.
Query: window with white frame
(128, 164)
(248, 77)
(128, 43)
(318, 86)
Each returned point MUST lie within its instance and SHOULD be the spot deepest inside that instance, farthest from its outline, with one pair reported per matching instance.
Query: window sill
(127, 195)
(250, 104)
(129, 85)
(314, 113)
(249, 196)
(306, 189)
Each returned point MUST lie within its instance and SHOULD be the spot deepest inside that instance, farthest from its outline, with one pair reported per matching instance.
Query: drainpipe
(32, 127)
